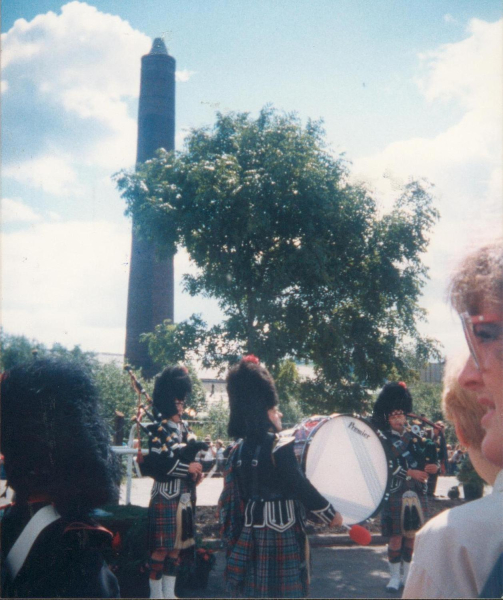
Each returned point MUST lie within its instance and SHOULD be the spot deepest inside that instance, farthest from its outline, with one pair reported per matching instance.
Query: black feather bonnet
(170, 385)
(393, 396)
(252, 393)
(54, 439)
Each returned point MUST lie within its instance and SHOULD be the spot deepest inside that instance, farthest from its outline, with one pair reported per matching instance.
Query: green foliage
(288, 385)
(300, 260)
(171, 343)
(113, 384)
(116, 392)
(467, 473)
(216, 422)
(427, 399)
(16, 349)
(197, 399)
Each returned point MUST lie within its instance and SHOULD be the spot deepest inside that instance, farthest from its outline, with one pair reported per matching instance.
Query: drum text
(353, 427)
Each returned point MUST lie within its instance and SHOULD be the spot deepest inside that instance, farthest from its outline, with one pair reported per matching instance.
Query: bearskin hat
(170, 385)
(53, 438)
(393, 396)
(251, 393)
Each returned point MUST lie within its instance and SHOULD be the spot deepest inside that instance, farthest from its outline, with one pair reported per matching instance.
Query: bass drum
(345, 460)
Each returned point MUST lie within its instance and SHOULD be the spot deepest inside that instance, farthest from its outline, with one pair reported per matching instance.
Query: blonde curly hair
(478, 280)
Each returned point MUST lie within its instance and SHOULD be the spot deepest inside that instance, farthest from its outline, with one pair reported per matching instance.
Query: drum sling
(21, 548)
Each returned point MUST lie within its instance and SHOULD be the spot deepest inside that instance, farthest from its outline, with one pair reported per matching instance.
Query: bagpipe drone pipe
(422, 450)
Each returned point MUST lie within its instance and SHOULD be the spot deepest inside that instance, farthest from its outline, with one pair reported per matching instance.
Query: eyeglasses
(396, 414)
(480, 330)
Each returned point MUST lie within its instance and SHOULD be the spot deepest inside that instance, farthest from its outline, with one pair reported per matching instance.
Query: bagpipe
(423, 449)
(145, 407)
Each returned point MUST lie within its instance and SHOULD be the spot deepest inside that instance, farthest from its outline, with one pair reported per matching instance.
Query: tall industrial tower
(151, 281)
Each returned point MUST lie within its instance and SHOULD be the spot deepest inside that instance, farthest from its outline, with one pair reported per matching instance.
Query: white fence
(130, 452)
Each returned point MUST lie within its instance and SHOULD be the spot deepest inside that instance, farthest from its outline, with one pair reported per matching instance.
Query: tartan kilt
(162, 520)
(267, 564)
(392, 510)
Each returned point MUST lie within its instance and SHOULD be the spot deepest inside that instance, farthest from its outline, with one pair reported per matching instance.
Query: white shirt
(207, 455)
(455, 552)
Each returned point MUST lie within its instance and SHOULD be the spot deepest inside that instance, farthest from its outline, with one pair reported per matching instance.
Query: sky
(405, 88)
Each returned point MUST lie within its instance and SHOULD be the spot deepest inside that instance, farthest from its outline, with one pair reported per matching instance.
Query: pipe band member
(265, 495)
(59, 463)
(175, 473)
(406, 508)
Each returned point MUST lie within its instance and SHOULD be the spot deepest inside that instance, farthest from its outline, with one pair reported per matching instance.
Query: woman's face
(275, 417)
(487, 384)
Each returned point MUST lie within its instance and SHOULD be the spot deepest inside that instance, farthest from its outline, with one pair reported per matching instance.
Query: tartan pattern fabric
(267, 564)
(231, 507)
(392, 511)
(162, 520)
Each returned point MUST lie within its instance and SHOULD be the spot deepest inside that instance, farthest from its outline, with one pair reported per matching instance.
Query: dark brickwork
(151, 281)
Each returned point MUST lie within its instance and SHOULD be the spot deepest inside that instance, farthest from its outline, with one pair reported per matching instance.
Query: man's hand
(421, 476)
(195, 468)
(431, 469)
(336, 521)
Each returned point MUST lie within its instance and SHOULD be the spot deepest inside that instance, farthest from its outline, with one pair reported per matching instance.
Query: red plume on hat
(251, 358)
(403, 384)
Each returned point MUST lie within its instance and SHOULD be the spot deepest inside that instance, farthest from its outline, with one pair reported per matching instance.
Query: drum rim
(380, 435)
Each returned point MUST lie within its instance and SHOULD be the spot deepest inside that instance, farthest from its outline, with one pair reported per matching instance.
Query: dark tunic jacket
(272, 484)
(65, 560)
(410, 451)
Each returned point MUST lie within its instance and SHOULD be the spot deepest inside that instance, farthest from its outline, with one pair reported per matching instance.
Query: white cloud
(464, 161)
(58, 286)
(49, 173)
(470, 71)
(70, 78)
(67, 282)
(184, 75)
(15, 211)
(4, 86)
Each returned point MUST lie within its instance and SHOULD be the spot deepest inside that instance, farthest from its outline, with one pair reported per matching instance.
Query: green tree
(427, 399)
(16, 349)
(171, 343)
(216, 423)
(116, 391)
(289, 387)
(303, 265)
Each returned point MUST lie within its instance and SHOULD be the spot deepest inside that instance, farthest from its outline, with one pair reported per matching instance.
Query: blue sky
(406, 88)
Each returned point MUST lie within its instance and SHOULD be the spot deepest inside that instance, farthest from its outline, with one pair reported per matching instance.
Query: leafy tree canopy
(16, 349)
(301, 261)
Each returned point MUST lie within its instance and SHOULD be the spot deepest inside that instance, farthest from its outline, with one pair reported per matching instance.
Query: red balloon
(360, 535)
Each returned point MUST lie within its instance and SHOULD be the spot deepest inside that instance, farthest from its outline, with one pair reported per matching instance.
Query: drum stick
(359, 534)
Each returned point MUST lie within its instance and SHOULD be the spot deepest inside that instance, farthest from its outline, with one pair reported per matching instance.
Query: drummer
(265, 493)
(405, 510)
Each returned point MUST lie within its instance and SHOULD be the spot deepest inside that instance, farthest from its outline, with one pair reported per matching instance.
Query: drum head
(346, 462)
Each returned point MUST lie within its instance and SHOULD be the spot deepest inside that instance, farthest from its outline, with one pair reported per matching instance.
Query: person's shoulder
(457, 519)
(95, 533)
(281, 442)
